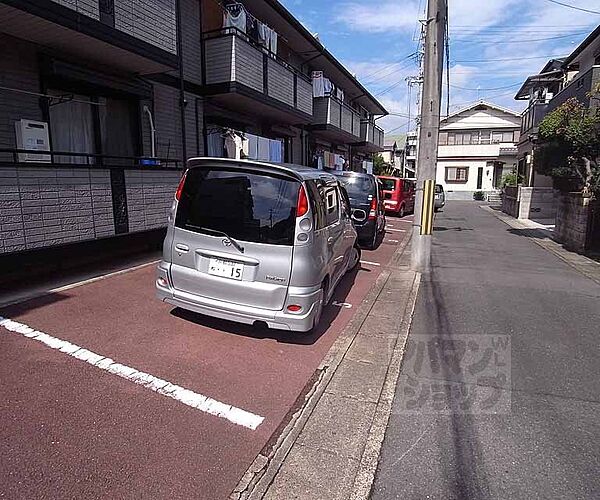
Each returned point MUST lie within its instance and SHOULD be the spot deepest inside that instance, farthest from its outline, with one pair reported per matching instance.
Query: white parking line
(396, 230)
(369, 263)
(185, 396)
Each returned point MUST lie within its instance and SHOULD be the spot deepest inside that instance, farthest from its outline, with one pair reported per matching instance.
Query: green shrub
(479, 195)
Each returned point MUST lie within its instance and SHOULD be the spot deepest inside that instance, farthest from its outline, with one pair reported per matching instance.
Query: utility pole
(435, 29)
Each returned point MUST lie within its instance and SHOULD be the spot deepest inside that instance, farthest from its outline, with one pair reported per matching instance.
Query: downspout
(182, 102)
(152, 132)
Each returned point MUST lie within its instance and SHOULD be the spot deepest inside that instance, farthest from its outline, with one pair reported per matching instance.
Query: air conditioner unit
(549, 96)
(32, 135)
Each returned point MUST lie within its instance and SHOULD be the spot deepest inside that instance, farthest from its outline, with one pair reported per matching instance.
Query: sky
(494, 45)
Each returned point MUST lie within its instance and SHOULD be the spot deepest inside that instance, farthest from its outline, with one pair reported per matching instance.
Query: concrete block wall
(510, 203)
(537, 203)
(150, 195)
(572, 219)
(42, 207)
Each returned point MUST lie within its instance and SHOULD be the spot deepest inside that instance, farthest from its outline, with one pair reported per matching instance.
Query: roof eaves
(582, 46)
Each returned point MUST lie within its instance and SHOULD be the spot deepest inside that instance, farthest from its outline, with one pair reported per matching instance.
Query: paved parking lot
(109, 393)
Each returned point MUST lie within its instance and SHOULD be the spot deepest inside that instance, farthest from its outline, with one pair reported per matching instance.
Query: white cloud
(378, 17)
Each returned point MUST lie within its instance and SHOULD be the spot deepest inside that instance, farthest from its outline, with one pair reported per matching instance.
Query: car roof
(301, 172)
(350, 173)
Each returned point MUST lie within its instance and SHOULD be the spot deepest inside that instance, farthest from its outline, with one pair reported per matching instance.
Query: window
(516, 136)
(317, 203)
(389, 184)
(507, 136)
(496, 137)
(451, 139)
(245, 205)
(443, 139)
(457, 174)
(484, 137)
(332, 208)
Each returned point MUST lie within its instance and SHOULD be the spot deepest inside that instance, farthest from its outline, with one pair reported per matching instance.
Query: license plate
(225, 268)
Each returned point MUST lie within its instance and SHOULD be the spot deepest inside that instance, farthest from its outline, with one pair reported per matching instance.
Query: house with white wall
(477, 147)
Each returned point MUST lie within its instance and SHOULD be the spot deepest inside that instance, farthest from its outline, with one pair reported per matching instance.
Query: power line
(507, 59)
(492, 88)
(389, 66)
(525, 40)
(402, 66)
(574, 7)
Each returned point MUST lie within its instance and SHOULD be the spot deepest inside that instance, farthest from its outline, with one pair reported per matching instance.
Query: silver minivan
(256, 243)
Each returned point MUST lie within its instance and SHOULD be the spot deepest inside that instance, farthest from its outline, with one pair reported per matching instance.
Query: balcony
(532, 116)
(335, 120)
(579, 87)
(241, 75)
(372, 137)
(136, 38)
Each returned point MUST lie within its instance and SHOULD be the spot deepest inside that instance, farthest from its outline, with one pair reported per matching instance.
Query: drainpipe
(182, 102)
(152, 132)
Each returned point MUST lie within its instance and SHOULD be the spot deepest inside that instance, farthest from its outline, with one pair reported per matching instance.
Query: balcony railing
(35, 157)
(331, 111)
(579, 87)
(369, 132)
(233, 57)
(532, 116)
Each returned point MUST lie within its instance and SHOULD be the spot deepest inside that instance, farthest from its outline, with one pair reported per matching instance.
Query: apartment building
(101, 102)
(477, 147)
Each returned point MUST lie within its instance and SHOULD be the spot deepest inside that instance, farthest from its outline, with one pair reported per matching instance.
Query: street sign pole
(428, 135)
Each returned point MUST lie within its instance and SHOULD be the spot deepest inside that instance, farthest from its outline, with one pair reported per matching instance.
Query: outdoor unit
(34, 136)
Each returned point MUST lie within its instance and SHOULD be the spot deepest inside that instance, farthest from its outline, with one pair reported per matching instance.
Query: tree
(379, 165)
(569, 146)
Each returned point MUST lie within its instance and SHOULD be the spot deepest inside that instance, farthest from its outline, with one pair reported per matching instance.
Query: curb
(261, 474)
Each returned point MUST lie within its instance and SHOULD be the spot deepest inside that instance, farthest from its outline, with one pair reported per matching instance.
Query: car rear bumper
(308, 298)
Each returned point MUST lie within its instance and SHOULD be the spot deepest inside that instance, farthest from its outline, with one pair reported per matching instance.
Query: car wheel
(317, 317)
(401, 213)
(355, 254)
(373, 243)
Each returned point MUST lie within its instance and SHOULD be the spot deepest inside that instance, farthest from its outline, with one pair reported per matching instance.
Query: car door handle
(182, 248)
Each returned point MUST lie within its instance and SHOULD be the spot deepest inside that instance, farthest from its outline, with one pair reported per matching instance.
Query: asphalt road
(72, 430)
(473, 418)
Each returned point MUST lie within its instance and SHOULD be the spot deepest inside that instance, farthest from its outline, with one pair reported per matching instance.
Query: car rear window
(248, 206)
(389, 184)
(439, 188)
(359, 188)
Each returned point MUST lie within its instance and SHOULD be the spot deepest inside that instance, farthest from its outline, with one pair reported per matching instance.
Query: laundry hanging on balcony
(235, 16)
(317, 84)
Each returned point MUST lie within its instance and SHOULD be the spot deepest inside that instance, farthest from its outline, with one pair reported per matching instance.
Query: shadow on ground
(329, 314)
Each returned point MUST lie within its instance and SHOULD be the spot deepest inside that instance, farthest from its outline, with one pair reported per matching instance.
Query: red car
(398, 195)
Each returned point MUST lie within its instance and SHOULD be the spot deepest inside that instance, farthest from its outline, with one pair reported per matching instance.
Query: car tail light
(294, 308)
(180, 187)
(302, 207)
(373, 211)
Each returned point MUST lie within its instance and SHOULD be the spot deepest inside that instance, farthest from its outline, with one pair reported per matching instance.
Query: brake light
(302, 207)
(294, 308)
(180, 187)
(373, 210)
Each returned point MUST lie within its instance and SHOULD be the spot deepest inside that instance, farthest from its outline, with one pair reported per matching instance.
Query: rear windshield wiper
(219, 233)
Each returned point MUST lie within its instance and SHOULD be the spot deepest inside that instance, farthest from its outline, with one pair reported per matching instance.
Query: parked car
(398, 194)
(366, 200)
(440, 197)
(256, 243)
